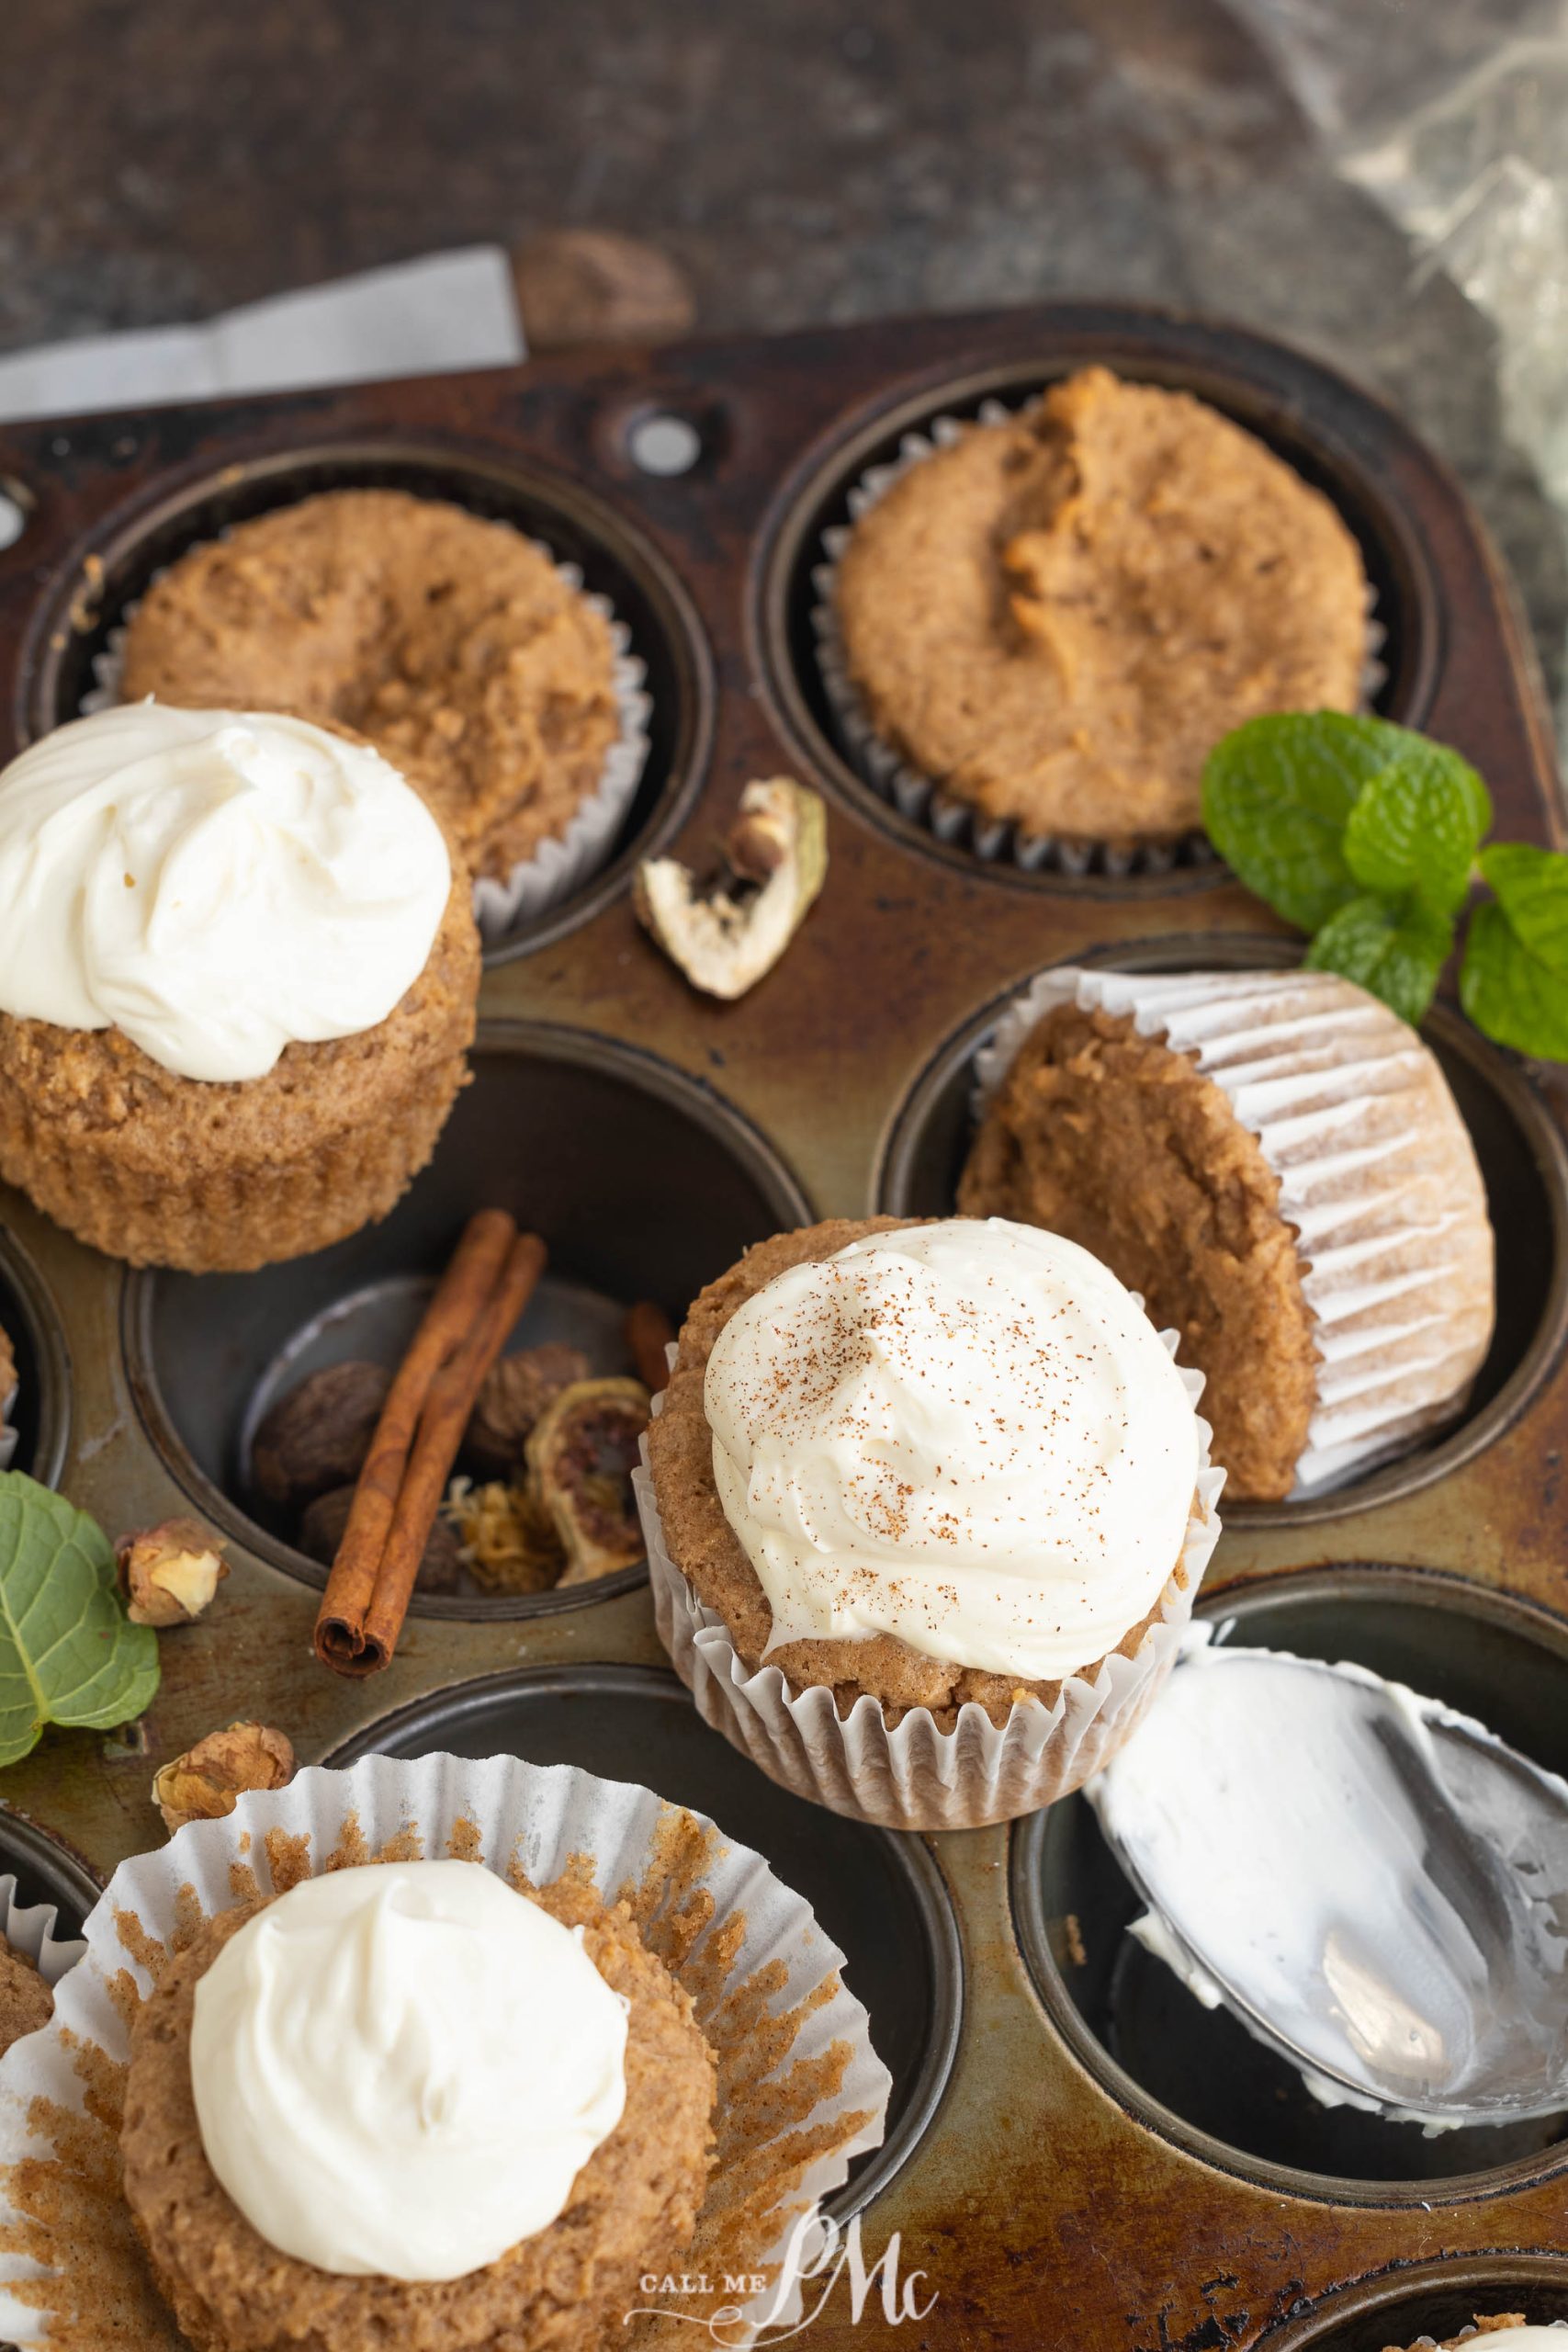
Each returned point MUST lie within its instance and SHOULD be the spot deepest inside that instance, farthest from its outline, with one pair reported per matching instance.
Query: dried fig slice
(777, 851)
(581, 1458)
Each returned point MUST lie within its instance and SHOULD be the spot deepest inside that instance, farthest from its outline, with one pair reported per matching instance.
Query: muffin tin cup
(1194, 2074)
(921, 798)
(1428, 2303)
(500, 1812)
(560, 866)
(916, 1776)
(1371, 1267)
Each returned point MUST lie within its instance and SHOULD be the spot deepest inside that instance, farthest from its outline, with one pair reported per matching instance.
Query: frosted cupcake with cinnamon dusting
(926, 1472)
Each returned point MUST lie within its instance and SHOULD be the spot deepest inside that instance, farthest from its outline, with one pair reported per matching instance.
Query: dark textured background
(804, 158)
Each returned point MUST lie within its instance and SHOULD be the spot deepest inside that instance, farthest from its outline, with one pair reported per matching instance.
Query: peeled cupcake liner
(1325, 1086)
(501, 1813)
(921, 798)
(918, 1776)
(568, 859)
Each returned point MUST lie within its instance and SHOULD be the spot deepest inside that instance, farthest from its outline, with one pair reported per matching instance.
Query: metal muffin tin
(1075, 2157)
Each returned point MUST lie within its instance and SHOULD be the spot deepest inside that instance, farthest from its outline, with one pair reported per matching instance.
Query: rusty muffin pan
(1077, 2154)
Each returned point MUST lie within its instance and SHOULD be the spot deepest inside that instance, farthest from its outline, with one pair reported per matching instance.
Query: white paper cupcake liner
(29, 1928)
(920, 797)
(918, 1776)
(1377, 1174)
(500, 1812)
(559, 866)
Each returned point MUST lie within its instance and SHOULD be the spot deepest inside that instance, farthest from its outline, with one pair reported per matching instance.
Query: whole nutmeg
(209, 1780)
(515, 1395)
(320, 1533)
(168, 1574)
(317, 1436)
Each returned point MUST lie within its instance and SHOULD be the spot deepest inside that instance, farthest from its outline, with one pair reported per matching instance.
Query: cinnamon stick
(440, 1433)
(648, 1332)
(469, 1283)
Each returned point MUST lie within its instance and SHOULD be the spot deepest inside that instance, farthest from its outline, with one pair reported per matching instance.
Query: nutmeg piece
(512, 1395)
(322, 1532)
(317, 1436)
(208, 1781)
(169, 1573)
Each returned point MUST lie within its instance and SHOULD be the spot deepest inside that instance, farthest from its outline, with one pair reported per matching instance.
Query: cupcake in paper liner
(926, 1507)
(704, 2079)
(1036, 625)
(459, 647)
(1275, 1160)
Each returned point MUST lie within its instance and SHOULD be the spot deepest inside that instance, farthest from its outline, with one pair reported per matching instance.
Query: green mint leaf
(1277, 795)
(1417, 826)
(1511, 993)
(68, 1652)
(1394, 949)
(1532, 890)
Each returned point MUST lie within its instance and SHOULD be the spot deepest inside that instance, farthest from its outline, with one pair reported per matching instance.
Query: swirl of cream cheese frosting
(967, 1434)
(218, 885)
(401, 2069)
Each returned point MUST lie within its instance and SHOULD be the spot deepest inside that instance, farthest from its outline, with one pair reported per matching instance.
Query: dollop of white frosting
(216, 883)
(401, 2070)
(967, 1434)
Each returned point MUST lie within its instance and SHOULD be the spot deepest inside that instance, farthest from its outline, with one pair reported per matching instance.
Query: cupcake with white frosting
(440, 2054)
(926, 1508)
(238, 974)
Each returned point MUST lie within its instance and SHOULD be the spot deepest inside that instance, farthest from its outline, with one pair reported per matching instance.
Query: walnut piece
(317, 1436)
(515, 1395)
(320, 1533)
(168, 1574)
(208, 1781)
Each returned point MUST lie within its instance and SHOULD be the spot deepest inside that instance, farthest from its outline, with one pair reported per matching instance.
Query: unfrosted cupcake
(238, 977)
(1054, 617)
(1275, 1162)
(453, 644)
(926, 1506)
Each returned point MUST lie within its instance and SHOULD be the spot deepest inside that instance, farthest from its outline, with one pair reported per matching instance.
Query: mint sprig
(1370, 838)
(68, 1653)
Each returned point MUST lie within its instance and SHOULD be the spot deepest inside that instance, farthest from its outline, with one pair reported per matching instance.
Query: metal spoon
(1376, 1886)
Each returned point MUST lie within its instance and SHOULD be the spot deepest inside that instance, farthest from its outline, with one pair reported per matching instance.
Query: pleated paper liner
(1377, 1174)
(568, 859)
(921, 798)
(918, 1776)
(740, 1942)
